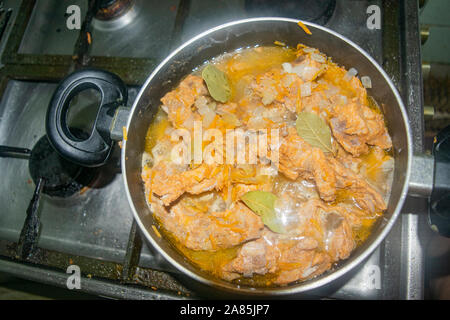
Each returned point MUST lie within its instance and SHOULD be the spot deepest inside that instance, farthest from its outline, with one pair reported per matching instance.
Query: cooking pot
(112, 117)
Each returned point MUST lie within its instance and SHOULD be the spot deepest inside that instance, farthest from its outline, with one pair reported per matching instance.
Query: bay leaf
(217, 83)
(314, 130)
(263, 204)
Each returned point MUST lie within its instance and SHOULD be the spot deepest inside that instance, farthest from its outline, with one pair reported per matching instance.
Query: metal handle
(422, 176)
(430, 178)
(95, 150)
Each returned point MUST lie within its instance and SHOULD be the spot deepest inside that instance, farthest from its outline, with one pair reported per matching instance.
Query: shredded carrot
(289, 265)
(125, 136)
(215, 171)
(156, 231)
(224, 225)
(213, 242)
(89, 38)
(299, 101)
(214, 122)
(269, 121)
(84, 189)
(152, 176)
(305, 28)
(237, 230)
(177, 116)
(316, 224)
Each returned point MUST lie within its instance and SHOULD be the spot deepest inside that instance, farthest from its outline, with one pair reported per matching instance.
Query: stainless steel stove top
(94, 228)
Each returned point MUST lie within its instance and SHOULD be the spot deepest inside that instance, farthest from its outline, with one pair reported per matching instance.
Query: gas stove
(90, 224)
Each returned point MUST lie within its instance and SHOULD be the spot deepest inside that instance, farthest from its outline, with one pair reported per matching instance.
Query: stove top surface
(94, 227)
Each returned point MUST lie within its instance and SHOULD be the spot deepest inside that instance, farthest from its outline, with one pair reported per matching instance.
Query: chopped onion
(324, 104)
(317, 57)
(344, 100)
(168, 131)
(287, 67)
(306, 89)
(212, 106)
(201, 102)
(257, 122)
(305, 72)
(272, 170)
(298, 69)
(366, 82)
(274, 114)
(309, 50)
(218, 205)
(331, 91)
(160, 151)
(147, 159)
(309, 271)
(350, 74)
(189, 122)
(287, 80)
(203, 110)
(208, 118)
(206, 197)
(231, 119)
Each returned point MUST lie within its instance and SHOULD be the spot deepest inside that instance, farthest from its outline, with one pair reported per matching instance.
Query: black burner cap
(62, 178)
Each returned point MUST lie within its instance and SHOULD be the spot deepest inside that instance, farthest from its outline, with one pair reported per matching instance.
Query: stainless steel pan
(216, 41)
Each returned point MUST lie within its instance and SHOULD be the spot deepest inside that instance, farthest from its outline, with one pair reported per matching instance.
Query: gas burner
(115, 14)
(62, 178)
(318, 11)
(111, 9)
(53, 176)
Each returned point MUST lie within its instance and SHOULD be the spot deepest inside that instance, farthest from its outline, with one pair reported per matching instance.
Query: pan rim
(300, 287)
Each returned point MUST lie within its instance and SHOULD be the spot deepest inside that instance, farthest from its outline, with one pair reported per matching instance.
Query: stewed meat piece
(286, 259)
(298, 159)
(359, 190)
(321, 237)
(177, 103)
(356, 126)
(209, 230)
(169, 184)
